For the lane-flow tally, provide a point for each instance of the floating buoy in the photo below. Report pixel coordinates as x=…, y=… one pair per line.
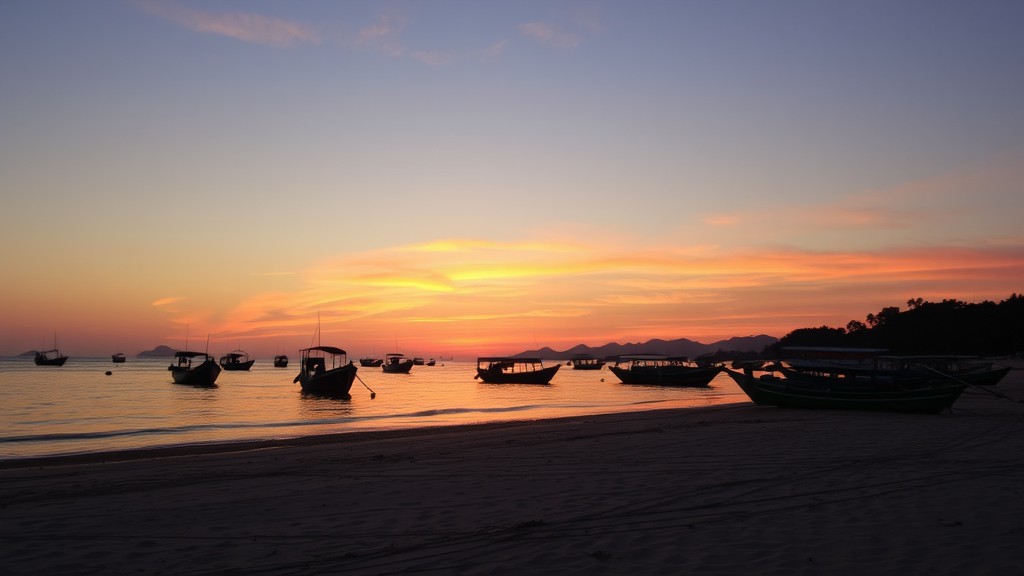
x=109, y=372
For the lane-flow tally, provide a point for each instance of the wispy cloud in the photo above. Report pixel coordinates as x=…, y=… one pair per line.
x=384, y=35
x=244, y=26
x=550, y=34
x=166, y=301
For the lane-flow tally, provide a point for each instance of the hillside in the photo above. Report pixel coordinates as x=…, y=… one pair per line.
x=679, y=347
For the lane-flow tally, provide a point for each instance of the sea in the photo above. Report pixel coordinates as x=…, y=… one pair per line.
x=93, y=405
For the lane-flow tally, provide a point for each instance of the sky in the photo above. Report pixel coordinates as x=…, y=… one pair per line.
x=484, y=177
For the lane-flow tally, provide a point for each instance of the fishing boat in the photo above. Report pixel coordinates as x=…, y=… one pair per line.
x=370, y=362
x=925, y=397
x=280, y=361
x=417, y=361
x=395, y=363
x=585, y=362
x=194, y=368
x=509, y=370
x=872, y=364
x=325, y=370
x=117, y=358
x=236, y=360
x=431, y=362
x=51, y=357
x=656, y=370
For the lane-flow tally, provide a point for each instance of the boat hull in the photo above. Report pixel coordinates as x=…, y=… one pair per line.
x=334, y=382
x=788, y=393
x=204, y=374
x=370, y=362
x=541, y=376
x=235, y=366
x=58, y=361
x=403, y=367
x=666, y=375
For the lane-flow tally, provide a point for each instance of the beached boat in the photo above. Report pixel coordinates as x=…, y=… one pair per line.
x=325, y=370
x=396, y=364
x=871, y=364
x=117, y=358
x=585, y=362
x=280, y=361
x=370, y=362
x=194, y=368
x=927, y=397
x=658, y=370
x=509, y=370
x=236, y=360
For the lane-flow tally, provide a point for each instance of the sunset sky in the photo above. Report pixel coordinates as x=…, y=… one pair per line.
x=463, y=178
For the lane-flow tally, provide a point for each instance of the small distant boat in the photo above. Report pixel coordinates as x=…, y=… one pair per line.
x=280, y=361
x=431, y=362
x=396, y=364
x=194, y=368
x=585, y=362
x=117, y=358
x=914, y=396
x=325, y=370
x=370, y=362
x=417, y=361
x=508, y=370
x=51, y=357
x=662, y=371
x=236, y=360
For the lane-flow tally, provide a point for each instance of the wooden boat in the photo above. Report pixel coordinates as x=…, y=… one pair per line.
x=51, y=357
x=658, y=370
x=370, y=362
x=431, y=362
x=926, y=397
x=585, y=362
x=280, y=361
x=965, y=369
x=509, y=370
x=417, y=361
x=325, y=370
x=117, y=358
x=236, y=360
x=194, y=368
x=396, y=364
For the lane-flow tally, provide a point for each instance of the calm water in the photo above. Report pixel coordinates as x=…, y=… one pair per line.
x=77, y=408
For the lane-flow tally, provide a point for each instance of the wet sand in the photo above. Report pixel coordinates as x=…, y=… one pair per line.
x=721, y=490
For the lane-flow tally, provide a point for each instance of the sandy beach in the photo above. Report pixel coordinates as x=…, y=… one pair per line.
x=737, y=489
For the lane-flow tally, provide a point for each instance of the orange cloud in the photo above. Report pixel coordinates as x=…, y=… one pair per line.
x=238, y=25
x=504, y=295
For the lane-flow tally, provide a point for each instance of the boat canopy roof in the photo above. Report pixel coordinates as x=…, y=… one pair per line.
x=187, y=354
x=235, y=354
x=395, y=355
x=581, y=357
x=506, y=359
x=327, y=349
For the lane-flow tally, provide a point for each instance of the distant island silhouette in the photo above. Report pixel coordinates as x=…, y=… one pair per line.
x=158, y=352
x=679, y=347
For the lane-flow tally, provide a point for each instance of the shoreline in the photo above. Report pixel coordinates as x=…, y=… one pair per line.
x=232, y=446
x=715, y=490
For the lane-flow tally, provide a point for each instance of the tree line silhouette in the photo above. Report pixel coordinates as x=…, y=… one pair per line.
x=947, y=327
